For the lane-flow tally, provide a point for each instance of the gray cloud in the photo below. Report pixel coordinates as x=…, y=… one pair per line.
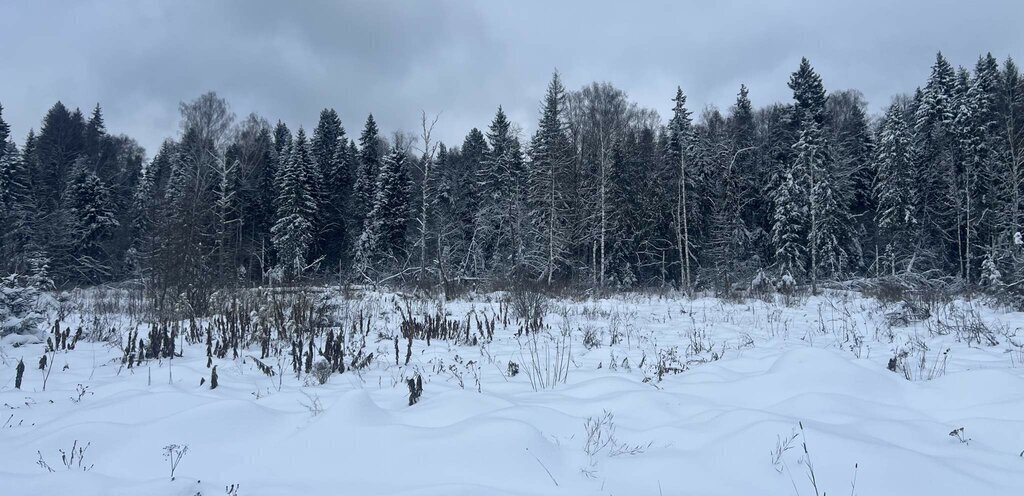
x=288, y=60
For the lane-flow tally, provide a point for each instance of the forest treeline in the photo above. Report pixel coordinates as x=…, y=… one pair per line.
x=602, y=194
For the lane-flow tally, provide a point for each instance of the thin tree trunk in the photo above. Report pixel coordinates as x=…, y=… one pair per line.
x=682, y=227
x=604, y=209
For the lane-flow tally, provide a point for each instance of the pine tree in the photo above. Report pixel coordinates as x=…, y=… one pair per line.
x=296, y=207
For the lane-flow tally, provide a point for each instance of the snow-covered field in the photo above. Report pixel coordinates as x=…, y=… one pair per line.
x=661, y=396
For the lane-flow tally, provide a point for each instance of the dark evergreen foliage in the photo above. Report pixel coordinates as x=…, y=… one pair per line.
x=600, y=194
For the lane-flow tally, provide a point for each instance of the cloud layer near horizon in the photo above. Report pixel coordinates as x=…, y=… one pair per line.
x=289, y=60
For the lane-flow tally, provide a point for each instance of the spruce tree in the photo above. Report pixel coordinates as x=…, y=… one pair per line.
x=1011, y=182
x=442, y=186
x=16, y=217
x=852, y=145
x=680, y=158
x=469, y=201
x=94, y=143
x=292, y=233
x=1012, y=116
x=500, y=219
x=788, y=224
x=58, y=149
x=329, y=147
x=729, y=152
x=749, y=178
x=181, y=259
x=382, y=245
x=828, y=222
x=282, y=143
x=59, y=144
x=256, y=192
x=774, y=140
x=93, y=209
x=894, y=191
x=550, y=161
x=5, y=132
x=364, y=192
x=935, y=164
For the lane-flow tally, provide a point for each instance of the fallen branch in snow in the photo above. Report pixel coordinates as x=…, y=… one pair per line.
x=543, y=466
x=778, y=461
x=781, y=447
x=314, y=406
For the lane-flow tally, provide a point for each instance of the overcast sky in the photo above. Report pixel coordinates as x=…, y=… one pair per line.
x=288, y=60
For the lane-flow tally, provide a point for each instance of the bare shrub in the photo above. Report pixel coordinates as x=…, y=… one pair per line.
x=312, y=404
x=778, y=461
x=72, y=459
x=591, y=338
x=966, y=325
x=527, y=305
x=914, y=364
x=668, y=362
x=415, y=389
x=22, y=305
x=322, y=371
x=887, y=290
x=907, y=312
x=782, y=445
x=545, y=359
x=173, y=453
x=601, y=438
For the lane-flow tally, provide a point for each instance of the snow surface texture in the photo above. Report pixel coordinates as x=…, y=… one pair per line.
x=725, y=426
